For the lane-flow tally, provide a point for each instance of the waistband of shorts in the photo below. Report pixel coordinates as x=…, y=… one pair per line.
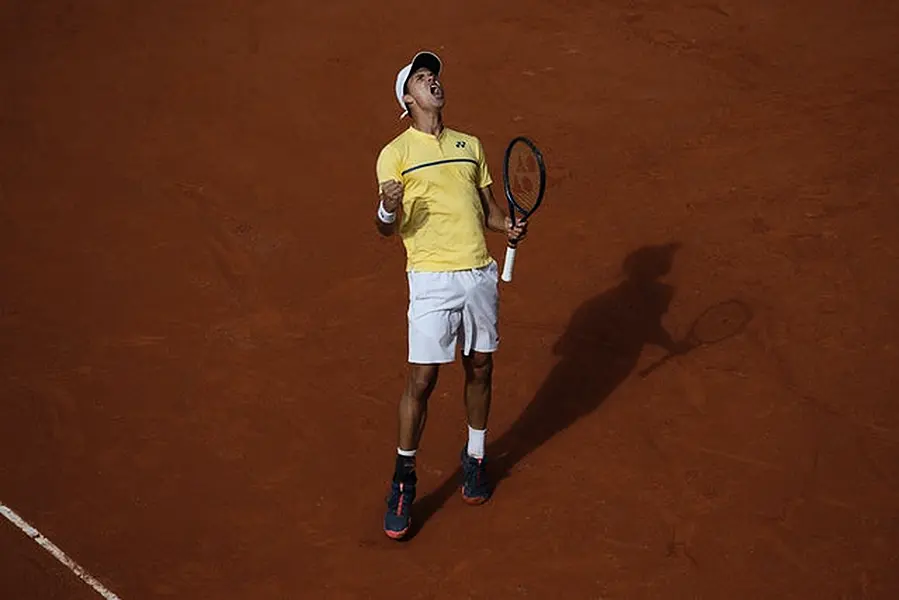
x=489, y=264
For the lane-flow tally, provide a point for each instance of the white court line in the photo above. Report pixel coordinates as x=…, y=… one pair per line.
x=50, y=547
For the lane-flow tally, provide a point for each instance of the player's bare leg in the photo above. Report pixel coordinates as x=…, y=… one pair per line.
x=478, y=388
x=478, y=394
x=413, y=409
x=412, y=416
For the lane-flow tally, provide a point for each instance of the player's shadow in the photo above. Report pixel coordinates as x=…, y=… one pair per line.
x=598, y=350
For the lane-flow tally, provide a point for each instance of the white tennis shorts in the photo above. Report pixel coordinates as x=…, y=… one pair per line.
x=452, y=307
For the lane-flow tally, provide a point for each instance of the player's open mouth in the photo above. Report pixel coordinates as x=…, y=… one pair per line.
x=436, y=90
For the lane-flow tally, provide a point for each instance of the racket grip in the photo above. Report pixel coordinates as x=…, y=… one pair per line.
x=509, y=263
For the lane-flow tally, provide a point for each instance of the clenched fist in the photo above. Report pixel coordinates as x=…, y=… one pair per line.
x=391, y=195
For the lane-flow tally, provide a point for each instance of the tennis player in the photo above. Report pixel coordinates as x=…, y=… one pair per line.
x=436, y=193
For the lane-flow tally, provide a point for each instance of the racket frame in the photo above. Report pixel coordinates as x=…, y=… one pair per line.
x=514, y=208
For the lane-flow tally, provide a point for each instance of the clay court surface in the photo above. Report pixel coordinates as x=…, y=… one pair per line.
x=203, y=337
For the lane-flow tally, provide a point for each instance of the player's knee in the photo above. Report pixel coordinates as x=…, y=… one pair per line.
x=422, y=379
x=479, y=367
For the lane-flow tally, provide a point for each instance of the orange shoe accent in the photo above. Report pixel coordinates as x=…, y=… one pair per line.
x=471, y=501
x=397, y=535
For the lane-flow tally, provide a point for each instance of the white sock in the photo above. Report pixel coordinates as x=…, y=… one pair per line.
x=476, y=442
x=402, y=452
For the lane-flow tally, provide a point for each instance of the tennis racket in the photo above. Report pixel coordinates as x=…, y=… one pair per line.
x=524, y=181
x=715, y=324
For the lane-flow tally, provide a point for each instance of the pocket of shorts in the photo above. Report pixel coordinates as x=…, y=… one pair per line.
x=492, y=270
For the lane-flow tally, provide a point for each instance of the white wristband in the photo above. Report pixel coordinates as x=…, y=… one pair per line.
x=384, y=216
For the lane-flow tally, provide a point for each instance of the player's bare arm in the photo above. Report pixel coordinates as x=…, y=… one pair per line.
x=497, y=220
x=391, y=196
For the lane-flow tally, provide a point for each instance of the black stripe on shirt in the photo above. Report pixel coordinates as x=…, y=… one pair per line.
x=440, y=162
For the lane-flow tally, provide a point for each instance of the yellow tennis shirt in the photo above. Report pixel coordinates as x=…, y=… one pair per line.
x=442, y=225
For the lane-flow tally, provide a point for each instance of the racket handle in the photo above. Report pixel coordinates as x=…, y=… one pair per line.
x=509, y=263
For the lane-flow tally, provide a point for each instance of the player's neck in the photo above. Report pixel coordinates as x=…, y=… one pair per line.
x=430, y=123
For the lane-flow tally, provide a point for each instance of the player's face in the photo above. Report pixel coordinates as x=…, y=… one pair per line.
x=425, y=90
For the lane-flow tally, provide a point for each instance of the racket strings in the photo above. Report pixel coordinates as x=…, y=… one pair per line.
x=524, y=177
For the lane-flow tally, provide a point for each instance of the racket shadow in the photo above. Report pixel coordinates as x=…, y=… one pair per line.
x=597, y=352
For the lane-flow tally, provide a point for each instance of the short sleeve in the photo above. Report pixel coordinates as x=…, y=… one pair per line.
x=388, y=165
x=484, y=178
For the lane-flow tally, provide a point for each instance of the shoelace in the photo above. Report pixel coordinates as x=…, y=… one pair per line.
x=473, y=469
x=398, y=496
